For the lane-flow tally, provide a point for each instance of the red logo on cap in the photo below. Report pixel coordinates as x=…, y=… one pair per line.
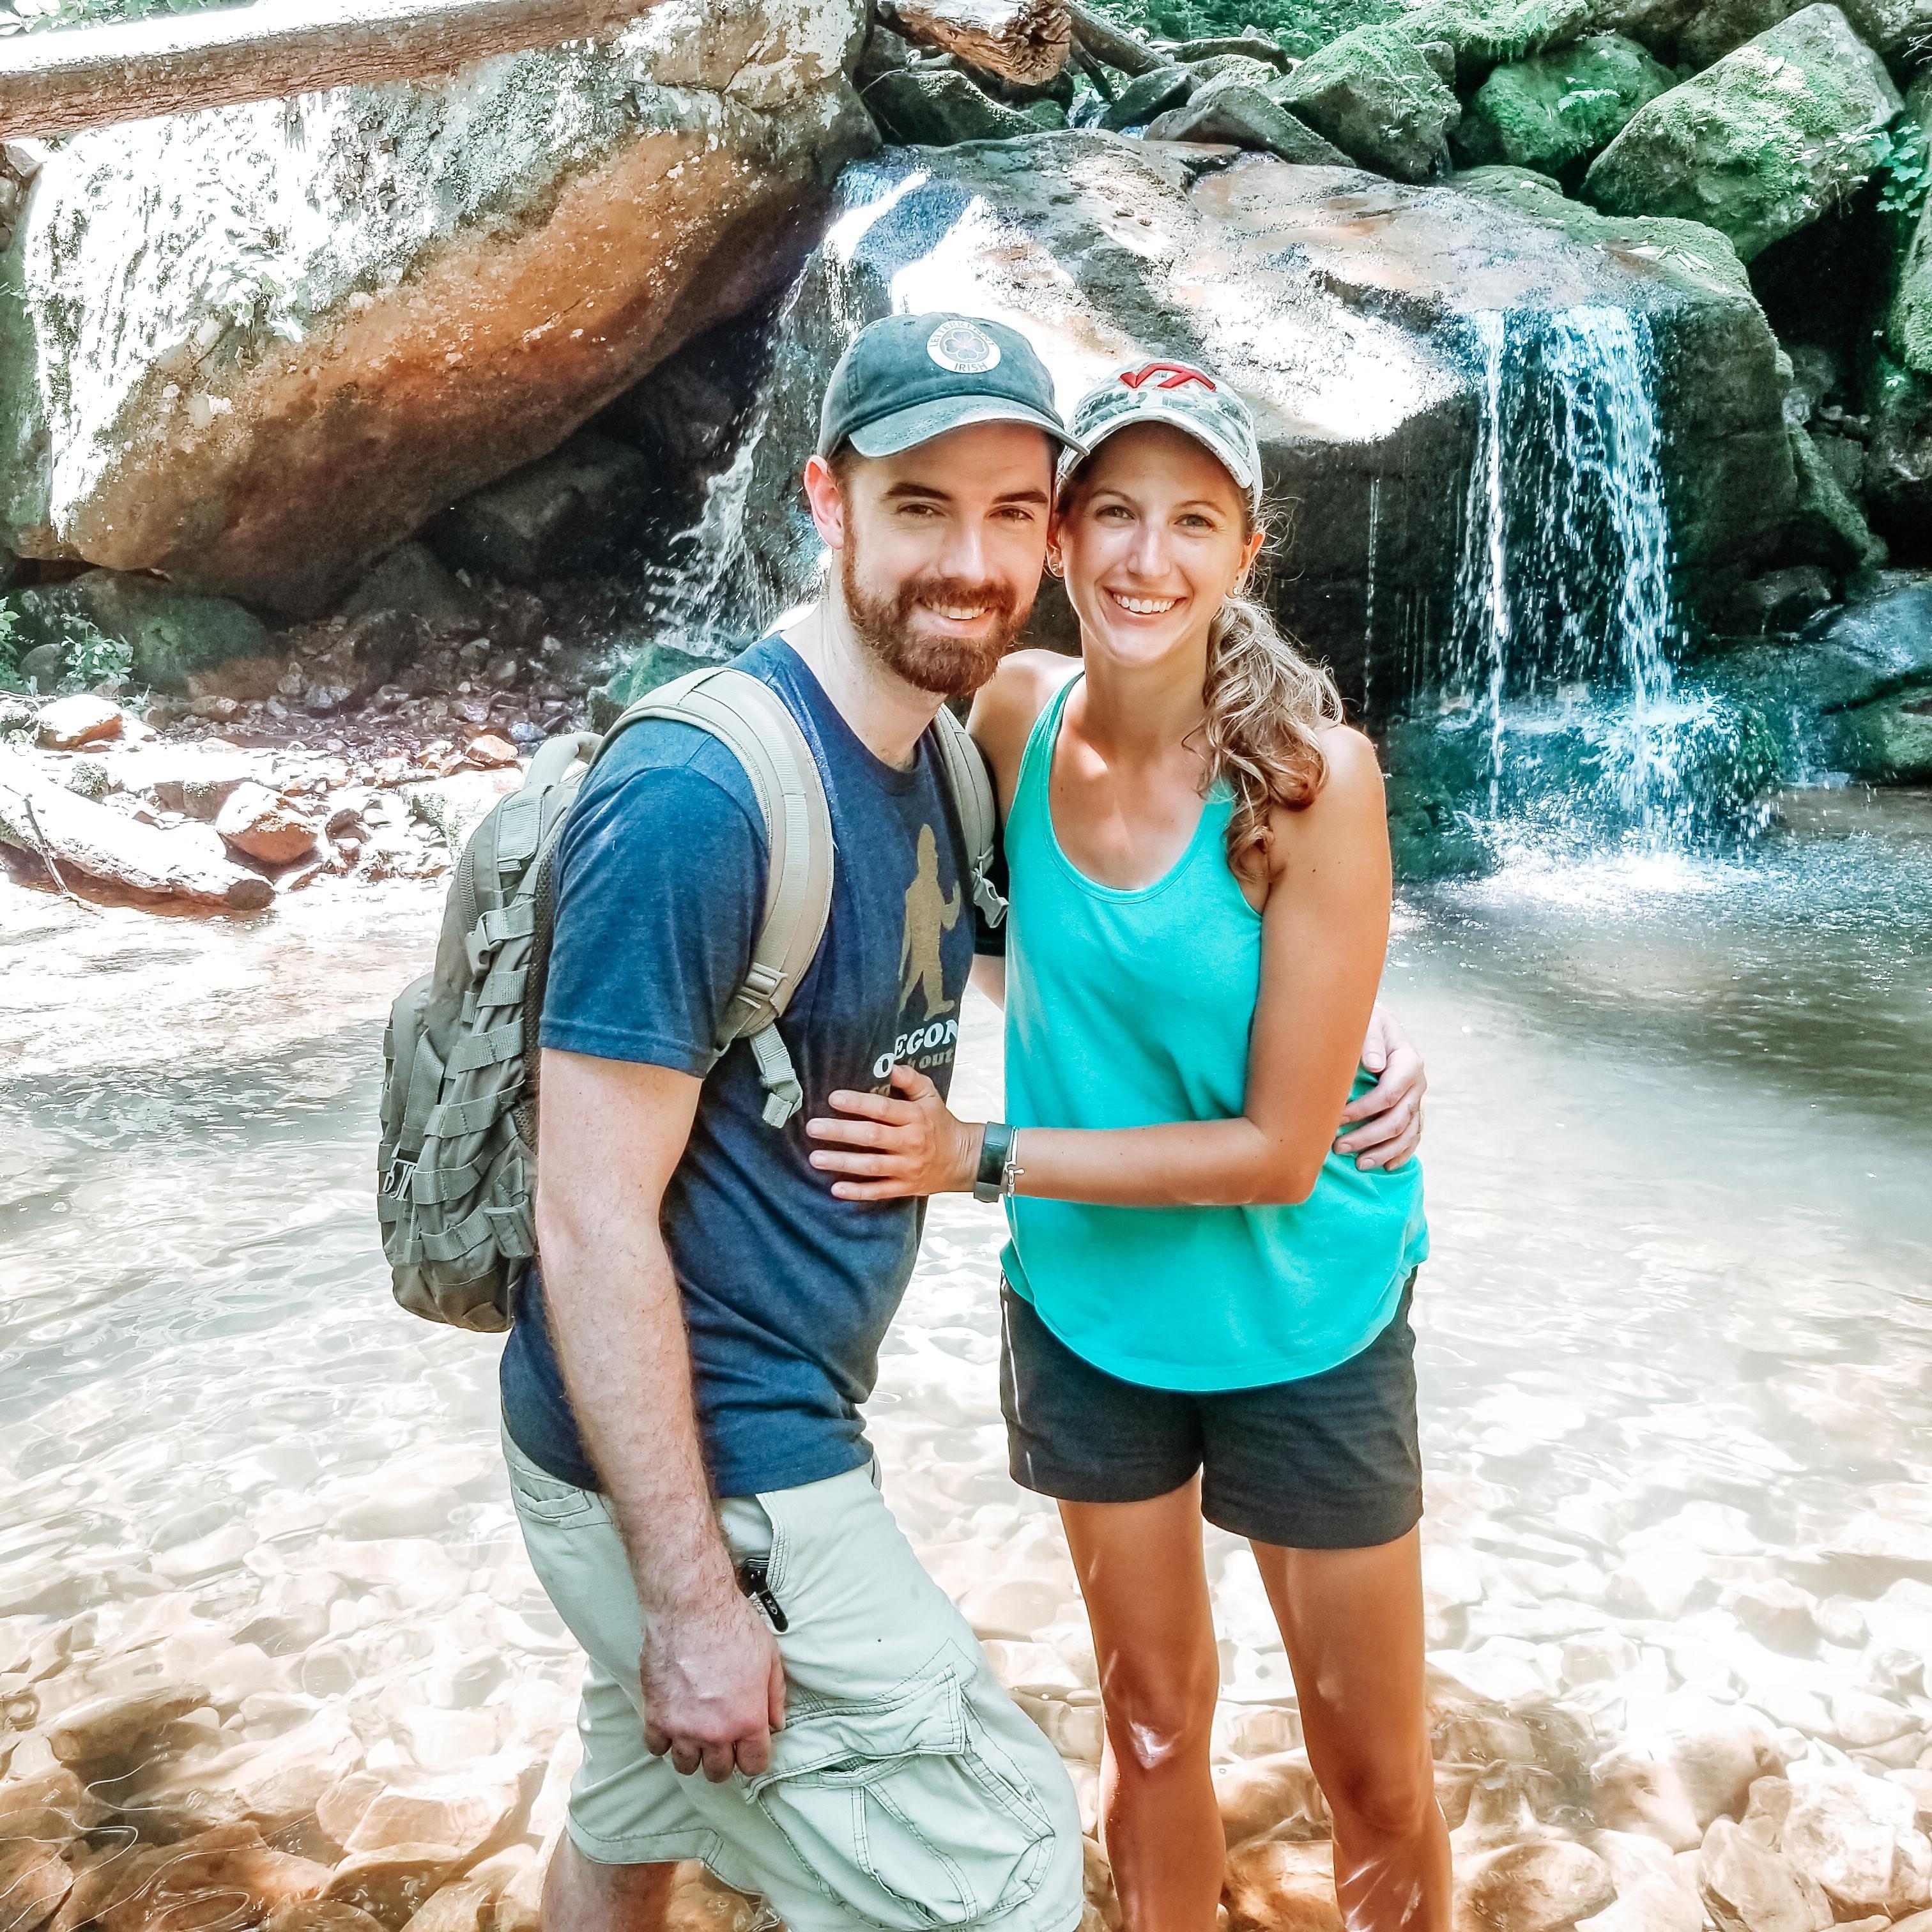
x=1178, y=374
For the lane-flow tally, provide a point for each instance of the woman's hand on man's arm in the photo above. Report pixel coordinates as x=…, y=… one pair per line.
x=1384, y=1128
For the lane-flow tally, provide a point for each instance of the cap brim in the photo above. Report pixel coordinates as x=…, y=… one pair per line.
x=1230, y=458
x=906, y=429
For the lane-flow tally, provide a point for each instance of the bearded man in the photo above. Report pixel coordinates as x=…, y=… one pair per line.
x=682, y=1389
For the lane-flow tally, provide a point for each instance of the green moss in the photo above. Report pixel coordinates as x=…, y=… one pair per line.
x=1376, y=95
x=1556, y=108
x=1304, y=27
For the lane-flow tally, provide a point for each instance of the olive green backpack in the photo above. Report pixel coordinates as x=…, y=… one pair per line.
x=457, y=1165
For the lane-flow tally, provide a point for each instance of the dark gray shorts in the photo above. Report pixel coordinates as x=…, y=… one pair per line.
x=1328, y=1462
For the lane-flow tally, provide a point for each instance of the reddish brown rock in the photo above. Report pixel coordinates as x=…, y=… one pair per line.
x=488, y=750
x=232, y=1861
x=33, y=1881
x=68, y=723
x=1259, y=1794
x=393, y=1884
x=106, y=1736
x=263, y=826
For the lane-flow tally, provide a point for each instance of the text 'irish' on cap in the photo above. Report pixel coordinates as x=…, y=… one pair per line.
x=906, y=379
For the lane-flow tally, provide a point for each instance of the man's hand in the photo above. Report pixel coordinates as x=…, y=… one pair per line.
x=714, y=1688
x=1389, y=1114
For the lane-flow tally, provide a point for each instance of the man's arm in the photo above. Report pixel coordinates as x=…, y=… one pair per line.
x=610, y=1135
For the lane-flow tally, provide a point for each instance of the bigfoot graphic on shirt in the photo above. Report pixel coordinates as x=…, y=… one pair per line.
x=928, y=913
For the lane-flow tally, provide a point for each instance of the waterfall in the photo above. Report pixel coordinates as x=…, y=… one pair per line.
x=1562, y=628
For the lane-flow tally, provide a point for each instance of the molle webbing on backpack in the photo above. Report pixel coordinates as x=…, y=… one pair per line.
x=457, y=1168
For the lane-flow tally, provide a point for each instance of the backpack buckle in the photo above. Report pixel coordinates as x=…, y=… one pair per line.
x=396, y=1182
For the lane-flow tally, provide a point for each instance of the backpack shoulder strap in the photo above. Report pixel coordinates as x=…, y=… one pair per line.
x=755, y=724
x=972, y=787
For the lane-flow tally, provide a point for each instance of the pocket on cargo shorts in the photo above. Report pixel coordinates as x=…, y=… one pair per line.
x=547, y=1499
x=903, y=1809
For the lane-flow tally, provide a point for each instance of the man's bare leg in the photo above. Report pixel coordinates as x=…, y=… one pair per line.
x=580, y=1895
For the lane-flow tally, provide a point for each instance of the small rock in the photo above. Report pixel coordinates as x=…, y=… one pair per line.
x=158, y=1885
x=1856, y=1837
x=1654, y=1904
x=221, y=709
x=33, y=1881
x=42, y=666
x=319, y=1915
x=1748, y=1889
x=463, y=1906
x=1149, y=95
x=255, y=821
x=105, y=1735
x=394, y=1884
x=487, y=750
x=1274, y=1885
x=465, y=1811
x=1267, y=1791
x=1632, y=1792
x=1862, y=1720
x=68, y=723
x=322, y=699
x=1241, y=115
x=16, y=713
x=1535, y=1887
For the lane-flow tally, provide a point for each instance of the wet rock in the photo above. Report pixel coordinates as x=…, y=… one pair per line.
x=1898, y=458
x=520, y=1903
x=1827, y=527
x=509, y=249
x=463, y=1906
x=68, y=723
x=1632, y=1792
x=318, y=1914
x=1376, y=95
x=104, y=1736
x=1761, y=144
x=1717, y=1751
x=464, y=1812
x=392, y=1884
x=1856, y=1837
x=1276, y=1885
x=16, y=714
x=1267, y=1794
x=232, y=1861
x=1480, y=33
x=487, y=749
x=1108, y=252
x=172, y=633
x=1748, y=1888
x=41, y=667
x=1148, y=95
x=578, y=506
x=412, y=579
x=1652, y=1904
x=261, y=826
x=33, y=1883
x=1779, y=601
x=1533, y=1887
x=936, y=107
x=1862, y=1720
x=1559, y=107
x=654, y=664
x=1238, y=114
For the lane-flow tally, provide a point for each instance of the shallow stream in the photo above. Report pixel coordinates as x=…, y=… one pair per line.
x=1676, y=1340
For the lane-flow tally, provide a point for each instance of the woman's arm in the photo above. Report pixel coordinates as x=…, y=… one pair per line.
x=1325, y=934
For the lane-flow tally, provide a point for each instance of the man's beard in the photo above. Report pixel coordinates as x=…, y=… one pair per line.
x=948, y=666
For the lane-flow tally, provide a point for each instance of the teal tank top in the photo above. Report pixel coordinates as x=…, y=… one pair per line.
x=1127, y=1008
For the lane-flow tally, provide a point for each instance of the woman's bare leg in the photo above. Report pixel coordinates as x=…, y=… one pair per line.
x=1352, y=1621
x=1143, y=1575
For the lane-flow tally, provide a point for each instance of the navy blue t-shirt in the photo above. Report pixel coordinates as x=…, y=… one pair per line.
x=660, y=883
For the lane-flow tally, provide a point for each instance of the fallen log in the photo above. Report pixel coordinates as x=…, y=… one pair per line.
x=70, y=833
x=60, y=82
x=1024, y=41
x=1114, y=45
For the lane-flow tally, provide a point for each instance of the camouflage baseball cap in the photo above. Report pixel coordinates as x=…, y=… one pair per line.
x=1183, y=397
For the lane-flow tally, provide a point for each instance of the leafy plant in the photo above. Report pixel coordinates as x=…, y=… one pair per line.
x=30, y=16
x=94, y=659
x=10, y=679
x=1904, y=170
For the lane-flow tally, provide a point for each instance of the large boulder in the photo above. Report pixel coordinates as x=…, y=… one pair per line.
x=173, y=635
x=1700, y=31
x=1379, y=96
x=1761, y=144
x=1557, y=108
x=1898, y=459
x=349, y=309
x=1364, y=363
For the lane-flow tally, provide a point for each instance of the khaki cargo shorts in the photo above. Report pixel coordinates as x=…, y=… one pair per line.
x=906, y=1791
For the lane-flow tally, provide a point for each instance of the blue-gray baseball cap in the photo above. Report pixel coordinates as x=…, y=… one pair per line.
x=906, y=379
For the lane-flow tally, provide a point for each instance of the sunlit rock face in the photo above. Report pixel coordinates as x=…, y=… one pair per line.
x=1345, y=308
x=253, y=348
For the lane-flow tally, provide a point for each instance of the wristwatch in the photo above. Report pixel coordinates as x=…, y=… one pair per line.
x=990, y=1183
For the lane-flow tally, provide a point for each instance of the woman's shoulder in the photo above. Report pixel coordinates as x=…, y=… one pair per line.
x=1009, y=703
x=1347, y=807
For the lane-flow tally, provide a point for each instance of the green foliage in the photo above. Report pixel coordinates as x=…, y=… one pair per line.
x=1301, y=26
x=1905, y=170
x=9, y=650
x=94, y=659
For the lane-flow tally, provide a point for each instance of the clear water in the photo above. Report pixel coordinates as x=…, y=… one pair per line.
x=1680, y=1171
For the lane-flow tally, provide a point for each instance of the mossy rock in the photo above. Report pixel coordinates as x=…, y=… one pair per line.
x=1377, y=94
x=1908, y=322
x=1556, y=109
x=934, y=107
x=1302, y=27
x=1483, y=32
x=1827, y=527
x=1761, y=144
x=653, y=665
x=172, y=634
x=1898, y=460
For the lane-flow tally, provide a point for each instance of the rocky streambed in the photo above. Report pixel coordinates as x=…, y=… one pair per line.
x=270, y=1652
